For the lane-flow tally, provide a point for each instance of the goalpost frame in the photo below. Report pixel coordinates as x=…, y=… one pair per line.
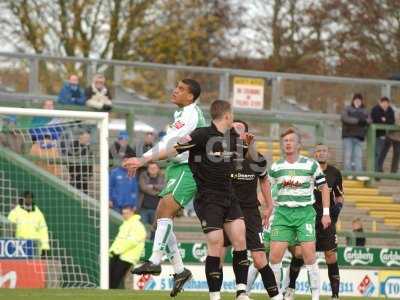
x=102, y=117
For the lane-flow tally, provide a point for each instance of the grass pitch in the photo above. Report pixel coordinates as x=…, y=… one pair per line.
x=92, y=294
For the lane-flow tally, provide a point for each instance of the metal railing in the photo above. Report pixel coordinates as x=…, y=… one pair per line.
x=371, y=146
x=299, y=92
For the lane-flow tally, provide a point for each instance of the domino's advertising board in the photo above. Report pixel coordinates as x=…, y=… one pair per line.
x=362, y=283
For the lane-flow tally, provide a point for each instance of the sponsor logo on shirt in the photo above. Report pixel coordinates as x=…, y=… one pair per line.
x=179, y=124
x=241, y=176
x=291, y=184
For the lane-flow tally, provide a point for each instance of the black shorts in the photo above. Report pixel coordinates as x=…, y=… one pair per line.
x=254, y=230
x=213, y=212
x=326, y=239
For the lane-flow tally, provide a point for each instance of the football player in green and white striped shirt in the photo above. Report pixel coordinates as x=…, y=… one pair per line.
x=295, y=177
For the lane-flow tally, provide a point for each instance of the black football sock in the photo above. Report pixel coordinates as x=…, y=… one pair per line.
x=221, y=278
x=334, y=278
x=269, y=281
x=295, y=266
x=240, y=265
x=213, y=273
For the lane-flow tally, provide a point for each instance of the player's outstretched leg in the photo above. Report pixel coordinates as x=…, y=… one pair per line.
x=181, y=274
x=166, y=211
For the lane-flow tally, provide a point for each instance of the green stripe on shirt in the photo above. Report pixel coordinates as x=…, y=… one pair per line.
x=286, y=198
x=291, y=172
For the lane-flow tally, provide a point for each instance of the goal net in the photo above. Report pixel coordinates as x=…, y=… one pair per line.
x=53, y=198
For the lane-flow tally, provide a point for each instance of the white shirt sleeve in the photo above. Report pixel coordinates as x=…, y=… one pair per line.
x=183, y=125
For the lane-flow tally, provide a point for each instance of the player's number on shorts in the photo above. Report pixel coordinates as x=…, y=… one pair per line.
x=261, y=236
x=310, y=229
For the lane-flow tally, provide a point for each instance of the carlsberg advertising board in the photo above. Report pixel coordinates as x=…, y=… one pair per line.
x=347, y=256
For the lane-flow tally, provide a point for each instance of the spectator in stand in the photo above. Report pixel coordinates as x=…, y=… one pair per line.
x=392, y=139
x=40, y=121
x=10, y=137
x=30, y=222
x=381, y=113
x=357, y=226
x=151, y=182
x=127, y=247
x=71, y=93
x=81, y=159
x=354, y=128
x=46, y=154
x=123, y=189
x=146, y=144
x=120, y=149
x=143, y=146
x=98, y=96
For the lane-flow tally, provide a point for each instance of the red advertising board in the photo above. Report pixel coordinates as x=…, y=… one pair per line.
x=22, y=273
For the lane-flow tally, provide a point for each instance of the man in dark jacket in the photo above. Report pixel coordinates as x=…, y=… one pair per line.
x=72, y=93
x=381, y=113
x=151, y=184
x=354, y=128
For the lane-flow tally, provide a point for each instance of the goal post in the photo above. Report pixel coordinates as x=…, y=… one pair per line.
x=69, y=171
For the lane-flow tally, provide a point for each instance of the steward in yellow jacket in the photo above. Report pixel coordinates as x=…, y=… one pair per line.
x=30, y=222
x=127, y=246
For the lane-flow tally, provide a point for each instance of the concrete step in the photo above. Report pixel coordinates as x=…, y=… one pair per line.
x=385, y=214
x=361, y=191
x=379, y=206
x=395, y=221
x=352, y=184
x=369, y=199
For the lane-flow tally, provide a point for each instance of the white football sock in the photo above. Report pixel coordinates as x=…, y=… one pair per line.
x=174, y=254
x=251, y=278
x=162, y=235
x=215, y=296
x=313, y=275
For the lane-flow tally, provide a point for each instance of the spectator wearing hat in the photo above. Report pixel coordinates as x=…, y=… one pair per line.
x=123, y=189
x=120, y=148
x=382, y=113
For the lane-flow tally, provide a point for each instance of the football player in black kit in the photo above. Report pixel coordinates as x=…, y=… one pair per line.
x=212, y=156
x=326, y=239
x=248, y=173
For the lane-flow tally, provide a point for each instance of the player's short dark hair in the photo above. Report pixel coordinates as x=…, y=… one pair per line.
x=194, y=87
x=291, y=130
x=218, y=108
x=246, y=126
x=384, y=99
